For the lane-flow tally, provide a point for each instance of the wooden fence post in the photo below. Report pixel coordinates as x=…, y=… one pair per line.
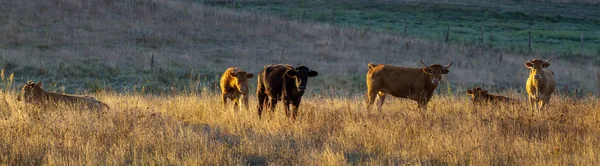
x=333, y=17
x=404, y=35
x=529, y=41
x=303, y=14
x=581, y=45
x=447, y=33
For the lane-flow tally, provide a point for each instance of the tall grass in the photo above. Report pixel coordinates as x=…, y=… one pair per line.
x=192, y=129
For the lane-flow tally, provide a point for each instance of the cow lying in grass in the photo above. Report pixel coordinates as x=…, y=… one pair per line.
x=33, y=93
x=479, y=95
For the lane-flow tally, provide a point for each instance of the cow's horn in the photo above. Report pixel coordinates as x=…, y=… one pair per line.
x=423, y=63
x=447, y=66
x=550, y=59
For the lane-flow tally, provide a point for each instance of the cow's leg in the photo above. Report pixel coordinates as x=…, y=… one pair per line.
x=245, y=101
x=236, y=103
x=224, y=99
x=286, y=105
x=261, y=101
x=295, y=105
x=380, y=100
x=531, y=103
x=273, y=103
x=371, y=95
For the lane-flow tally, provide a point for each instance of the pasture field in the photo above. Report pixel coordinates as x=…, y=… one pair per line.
x=156, y=63
x=193, y=129
x=555, y=27
x=93, y=46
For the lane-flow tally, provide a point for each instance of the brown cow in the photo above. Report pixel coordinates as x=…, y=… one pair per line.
x=479, y=95
x=234, y=86
x=416, y=84
x=540, y=83
x=34, y=93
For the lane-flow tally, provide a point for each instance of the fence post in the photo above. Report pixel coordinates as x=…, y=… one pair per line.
x=368, y=23
x=581, y=45
x=333, y=17
x=303, y=14
x=529, y=41
x=404, y=35
x=447, y=33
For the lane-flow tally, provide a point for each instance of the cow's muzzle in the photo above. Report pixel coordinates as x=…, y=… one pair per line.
x=435, y=81
x=537, y=77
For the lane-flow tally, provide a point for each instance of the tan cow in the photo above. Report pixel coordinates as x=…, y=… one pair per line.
x=479, y=95
x=234, y=86
x=34, y=93
x=540, y=83
x=416, y=84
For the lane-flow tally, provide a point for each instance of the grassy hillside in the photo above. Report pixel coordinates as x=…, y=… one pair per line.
x=156, y=64
x=76, y=46
x=555, y=27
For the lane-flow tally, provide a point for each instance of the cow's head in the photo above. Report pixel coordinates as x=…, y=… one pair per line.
x=477, y=93
x=535, y=66
x=301, y=74
x=30, y=90
x=435, y=71
x=241, y=79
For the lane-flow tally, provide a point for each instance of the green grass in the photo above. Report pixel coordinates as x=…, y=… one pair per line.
x=555, y=28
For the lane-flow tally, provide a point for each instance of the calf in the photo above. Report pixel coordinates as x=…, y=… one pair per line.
x=479, y=95
x=33, y=93
x=284, y=83
x=540, y=83
x=234, y=86
x=416, y=84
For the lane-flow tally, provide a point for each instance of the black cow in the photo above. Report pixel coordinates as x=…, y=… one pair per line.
x=282, y=82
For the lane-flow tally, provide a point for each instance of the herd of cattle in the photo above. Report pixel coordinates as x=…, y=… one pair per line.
x=285, y=83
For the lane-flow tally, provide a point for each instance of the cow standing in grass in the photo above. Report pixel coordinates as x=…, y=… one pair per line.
x=234, y=86
x=540, y=83
x=479, y=95
x=284, y=83
x=416, y=84
x=34, y=93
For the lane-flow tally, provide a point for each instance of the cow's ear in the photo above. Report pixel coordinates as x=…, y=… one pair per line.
x=291, y=73
x=445, y=71
x=546, y=64
x=529, y=65
x=470, y=91
x=250, y=75
x=427, y=70
x=313, y=73
x=39, y=84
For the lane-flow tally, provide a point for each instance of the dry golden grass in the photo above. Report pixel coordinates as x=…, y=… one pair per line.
x=193, y=129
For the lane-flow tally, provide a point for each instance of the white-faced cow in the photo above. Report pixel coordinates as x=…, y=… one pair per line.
x=234, y=86
x=540, y=83
x=416, y=84
x=282, y=82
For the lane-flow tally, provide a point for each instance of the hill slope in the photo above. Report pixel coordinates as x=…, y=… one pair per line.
x=95, y=45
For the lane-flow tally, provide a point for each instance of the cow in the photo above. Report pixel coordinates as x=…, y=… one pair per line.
x=33, y=93
x=416, y=84
x=282, y=82
x=234, y=86
x=479, y=95
x=540, y=83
